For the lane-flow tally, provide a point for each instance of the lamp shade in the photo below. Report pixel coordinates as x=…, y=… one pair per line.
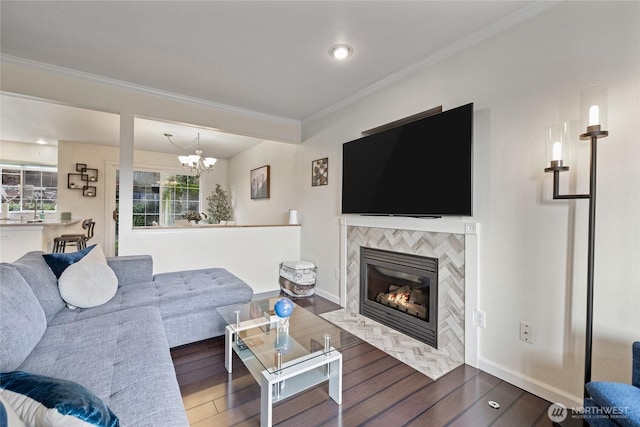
x=209, y=161
x=593, y=107
x=557, y=145
x=194, y=159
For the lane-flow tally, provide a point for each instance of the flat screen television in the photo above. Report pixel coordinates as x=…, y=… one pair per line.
x=420, y=169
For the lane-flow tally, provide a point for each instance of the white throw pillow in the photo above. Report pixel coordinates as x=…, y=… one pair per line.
x=96, y=254
x=12, y=418
x=89, y=282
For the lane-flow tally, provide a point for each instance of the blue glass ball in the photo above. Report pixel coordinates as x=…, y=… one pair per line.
x=283, y=307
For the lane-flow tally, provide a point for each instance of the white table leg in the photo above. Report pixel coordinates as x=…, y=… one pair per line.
x=266, y=401
x=335, y=380
x=228, y=348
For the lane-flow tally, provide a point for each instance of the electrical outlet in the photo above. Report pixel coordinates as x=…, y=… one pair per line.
x=336, y=273
x=527, y=332
x=479, y=318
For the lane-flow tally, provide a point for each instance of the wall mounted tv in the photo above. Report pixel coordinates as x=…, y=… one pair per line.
x=420, y=169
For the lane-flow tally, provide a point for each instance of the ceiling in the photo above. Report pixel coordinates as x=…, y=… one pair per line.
x=269, y=57
x=29, y=120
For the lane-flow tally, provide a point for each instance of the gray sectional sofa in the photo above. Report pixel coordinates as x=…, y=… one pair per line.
x=119, y=350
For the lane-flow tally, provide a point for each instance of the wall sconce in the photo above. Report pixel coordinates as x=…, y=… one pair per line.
x=593, y=114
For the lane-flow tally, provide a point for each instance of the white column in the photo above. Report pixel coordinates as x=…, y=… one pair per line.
x=126, y=181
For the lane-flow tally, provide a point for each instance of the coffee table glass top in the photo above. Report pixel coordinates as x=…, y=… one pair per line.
x=264, y=334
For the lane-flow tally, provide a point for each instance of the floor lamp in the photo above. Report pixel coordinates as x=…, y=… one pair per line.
x=593, y=111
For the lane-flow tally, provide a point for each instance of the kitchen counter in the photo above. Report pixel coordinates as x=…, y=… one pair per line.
x=31, y=222
x=19, y=237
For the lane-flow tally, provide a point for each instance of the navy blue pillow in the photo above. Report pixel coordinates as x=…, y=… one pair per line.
x=54, y=400
x=4, y=418
x=58, y=262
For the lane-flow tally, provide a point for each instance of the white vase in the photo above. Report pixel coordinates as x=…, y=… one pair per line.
x=5, y=210
x=293, y=216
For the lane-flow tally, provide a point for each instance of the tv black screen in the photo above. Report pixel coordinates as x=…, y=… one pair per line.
x=423, y=168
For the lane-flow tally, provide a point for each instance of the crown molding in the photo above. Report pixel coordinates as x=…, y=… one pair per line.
x=497, y=27
x=94, y=78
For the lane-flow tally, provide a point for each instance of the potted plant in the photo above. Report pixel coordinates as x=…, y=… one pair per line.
x=218, y=206
x=193, y=217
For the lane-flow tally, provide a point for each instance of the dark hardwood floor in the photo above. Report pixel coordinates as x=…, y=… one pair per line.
x=378, y=390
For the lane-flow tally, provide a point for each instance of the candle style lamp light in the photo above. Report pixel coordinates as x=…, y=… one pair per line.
x=593, y=113
x=556, y=142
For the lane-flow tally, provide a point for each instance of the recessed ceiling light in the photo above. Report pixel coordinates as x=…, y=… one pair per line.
x=340, y=51
x=41, y=142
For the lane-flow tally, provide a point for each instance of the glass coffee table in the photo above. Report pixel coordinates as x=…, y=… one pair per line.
x=284, y=356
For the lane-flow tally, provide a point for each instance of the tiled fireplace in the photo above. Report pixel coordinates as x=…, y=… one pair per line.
x=447, y=248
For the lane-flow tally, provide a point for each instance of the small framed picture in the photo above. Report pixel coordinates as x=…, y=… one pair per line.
x=320, y=172
x=259, y=181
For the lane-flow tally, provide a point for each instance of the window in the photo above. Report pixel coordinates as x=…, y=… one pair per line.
x=146, y=198
x=30, y=187
x=180, y=194
x=160, y=198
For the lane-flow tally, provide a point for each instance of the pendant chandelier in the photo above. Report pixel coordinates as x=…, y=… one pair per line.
x=196, y=162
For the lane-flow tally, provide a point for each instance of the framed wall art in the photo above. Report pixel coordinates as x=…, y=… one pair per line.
x=320, y=172
x=259, y=181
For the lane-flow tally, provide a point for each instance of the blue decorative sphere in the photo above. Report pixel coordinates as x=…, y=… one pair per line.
x=283, y=307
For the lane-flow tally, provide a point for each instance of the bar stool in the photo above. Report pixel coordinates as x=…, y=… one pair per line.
x=78, y=240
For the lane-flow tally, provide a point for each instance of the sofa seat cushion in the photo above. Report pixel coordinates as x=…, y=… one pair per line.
x=22, y=319
x=199, y=290
x=122, y=357
x=620, y=402
x=126, y=297
x=175, y=294
x=43, y=282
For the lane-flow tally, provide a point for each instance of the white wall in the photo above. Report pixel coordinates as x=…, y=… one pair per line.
x=23, y=153
x=73, y=88
x=105, y=159
x=251, y=253
x=532, y=248
x=274, y=210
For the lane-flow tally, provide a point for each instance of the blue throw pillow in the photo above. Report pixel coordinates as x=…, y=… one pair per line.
x=58, y=262
x=45, y=401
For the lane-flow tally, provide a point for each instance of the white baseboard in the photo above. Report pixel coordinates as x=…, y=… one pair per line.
x=531, y=385
x=330, y=297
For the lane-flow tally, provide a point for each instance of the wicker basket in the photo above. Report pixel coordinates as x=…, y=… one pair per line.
x=298, y=279
x=296, y=290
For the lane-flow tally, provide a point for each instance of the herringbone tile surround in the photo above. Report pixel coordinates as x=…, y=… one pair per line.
x=448, y=248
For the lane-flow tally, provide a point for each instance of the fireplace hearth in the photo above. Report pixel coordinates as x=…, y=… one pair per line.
x=400, y=291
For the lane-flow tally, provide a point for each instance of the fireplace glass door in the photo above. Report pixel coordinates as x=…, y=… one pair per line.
x=400, y=290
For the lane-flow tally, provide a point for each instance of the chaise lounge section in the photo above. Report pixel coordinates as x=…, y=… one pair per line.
x=119, y=350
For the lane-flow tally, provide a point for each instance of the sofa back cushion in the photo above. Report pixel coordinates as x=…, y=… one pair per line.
x=22, y=319
x=43, y=282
